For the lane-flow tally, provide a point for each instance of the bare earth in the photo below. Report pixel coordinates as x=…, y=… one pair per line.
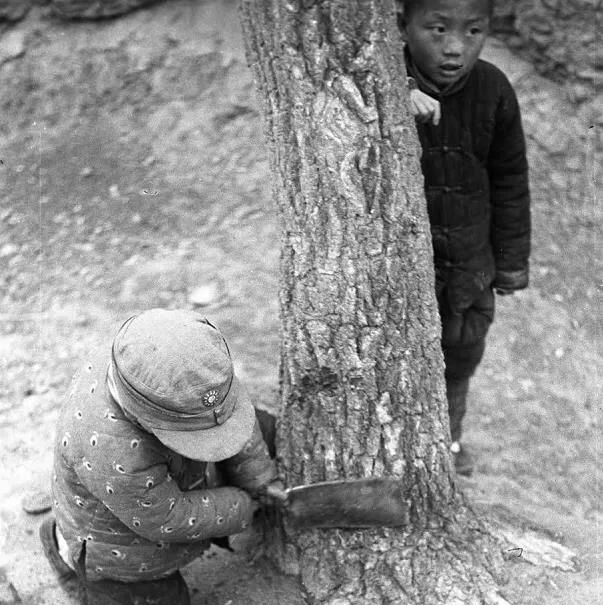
x=134, y=172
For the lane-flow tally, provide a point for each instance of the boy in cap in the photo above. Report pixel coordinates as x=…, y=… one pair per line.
x=142, y=437
x=476, y=181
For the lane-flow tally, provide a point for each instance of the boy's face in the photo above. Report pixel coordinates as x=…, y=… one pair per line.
x=445, y=37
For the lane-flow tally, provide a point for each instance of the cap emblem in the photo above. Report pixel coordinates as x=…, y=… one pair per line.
x=210, y=398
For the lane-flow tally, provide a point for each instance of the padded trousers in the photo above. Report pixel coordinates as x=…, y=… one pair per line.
x=463, y=345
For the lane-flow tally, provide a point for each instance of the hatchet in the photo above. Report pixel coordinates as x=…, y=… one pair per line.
x=368, y=502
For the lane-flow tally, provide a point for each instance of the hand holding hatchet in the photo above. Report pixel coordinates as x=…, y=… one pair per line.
x=276, y=490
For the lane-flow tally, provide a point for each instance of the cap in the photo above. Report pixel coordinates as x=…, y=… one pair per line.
x=172, y=371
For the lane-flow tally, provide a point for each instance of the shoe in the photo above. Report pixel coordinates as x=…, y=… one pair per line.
x=463, y=461
x=51, y=550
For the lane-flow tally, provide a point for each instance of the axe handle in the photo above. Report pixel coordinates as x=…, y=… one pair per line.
x=275, y=491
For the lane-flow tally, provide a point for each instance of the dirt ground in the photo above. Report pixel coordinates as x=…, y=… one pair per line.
x=133, y=172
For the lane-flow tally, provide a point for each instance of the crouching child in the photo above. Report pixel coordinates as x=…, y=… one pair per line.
x=158, y=452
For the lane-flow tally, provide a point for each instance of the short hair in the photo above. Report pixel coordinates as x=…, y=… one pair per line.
x=405, y=8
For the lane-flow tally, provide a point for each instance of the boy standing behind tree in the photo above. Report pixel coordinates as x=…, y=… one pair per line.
x=476, y=181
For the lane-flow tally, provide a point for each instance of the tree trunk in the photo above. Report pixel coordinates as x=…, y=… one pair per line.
x=361, y=363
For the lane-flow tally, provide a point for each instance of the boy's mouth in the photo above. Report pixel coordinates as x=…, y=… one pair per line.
x=450, y=69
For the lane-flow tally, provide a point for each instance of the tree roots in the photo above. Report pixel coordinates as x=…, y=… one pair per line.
x=454, y=561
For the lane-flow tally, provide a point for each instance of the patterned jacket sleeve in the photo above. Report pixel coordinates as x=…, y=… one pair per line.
x=510, y=194
x=138, y=489
x=252, y=468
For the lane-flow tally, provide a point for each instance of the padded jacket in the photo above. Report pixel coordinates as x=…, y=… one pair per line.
x=476, y=184
x=123, y=496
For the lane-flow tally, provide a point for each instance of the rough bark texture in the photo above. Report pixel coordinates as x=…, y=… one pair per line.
x=361, y=366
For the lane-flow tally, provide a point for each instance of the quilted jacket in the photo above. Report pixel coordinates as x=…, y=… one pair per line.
x=476, y=185
x=122, y=494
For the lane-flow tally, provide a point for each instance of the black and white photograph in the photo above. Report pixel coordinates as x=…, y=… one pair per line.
x=300, y=302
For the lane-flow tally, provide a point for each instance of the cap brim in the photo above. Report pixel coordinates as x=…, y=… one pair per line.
x=219, y=442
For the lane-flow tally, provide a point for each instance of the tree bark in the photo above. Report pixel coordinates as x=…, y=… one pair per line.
x=361, y=363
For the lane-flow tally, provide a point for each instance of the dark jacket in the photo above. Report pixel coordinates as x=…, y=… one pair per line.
x=476, y=185
x=118, y=490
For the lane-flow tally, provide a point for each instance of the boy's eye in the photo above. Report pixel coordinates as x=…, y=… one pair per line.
x=474, y=31
x=438, y=29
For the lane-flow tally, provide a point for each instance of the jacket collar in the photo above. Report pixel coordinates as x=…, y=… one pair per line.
x=427, y=86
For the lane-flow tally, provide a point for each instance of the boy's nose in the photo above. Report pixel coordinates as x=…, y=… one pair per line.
x=453, y=46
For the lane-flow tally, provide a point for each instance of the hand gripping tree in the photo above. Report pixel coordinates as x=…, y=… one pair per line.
x=361, y=364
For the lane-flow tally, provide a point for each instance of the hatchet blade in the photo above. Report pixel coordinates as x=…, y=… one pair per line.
x=348, y=503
